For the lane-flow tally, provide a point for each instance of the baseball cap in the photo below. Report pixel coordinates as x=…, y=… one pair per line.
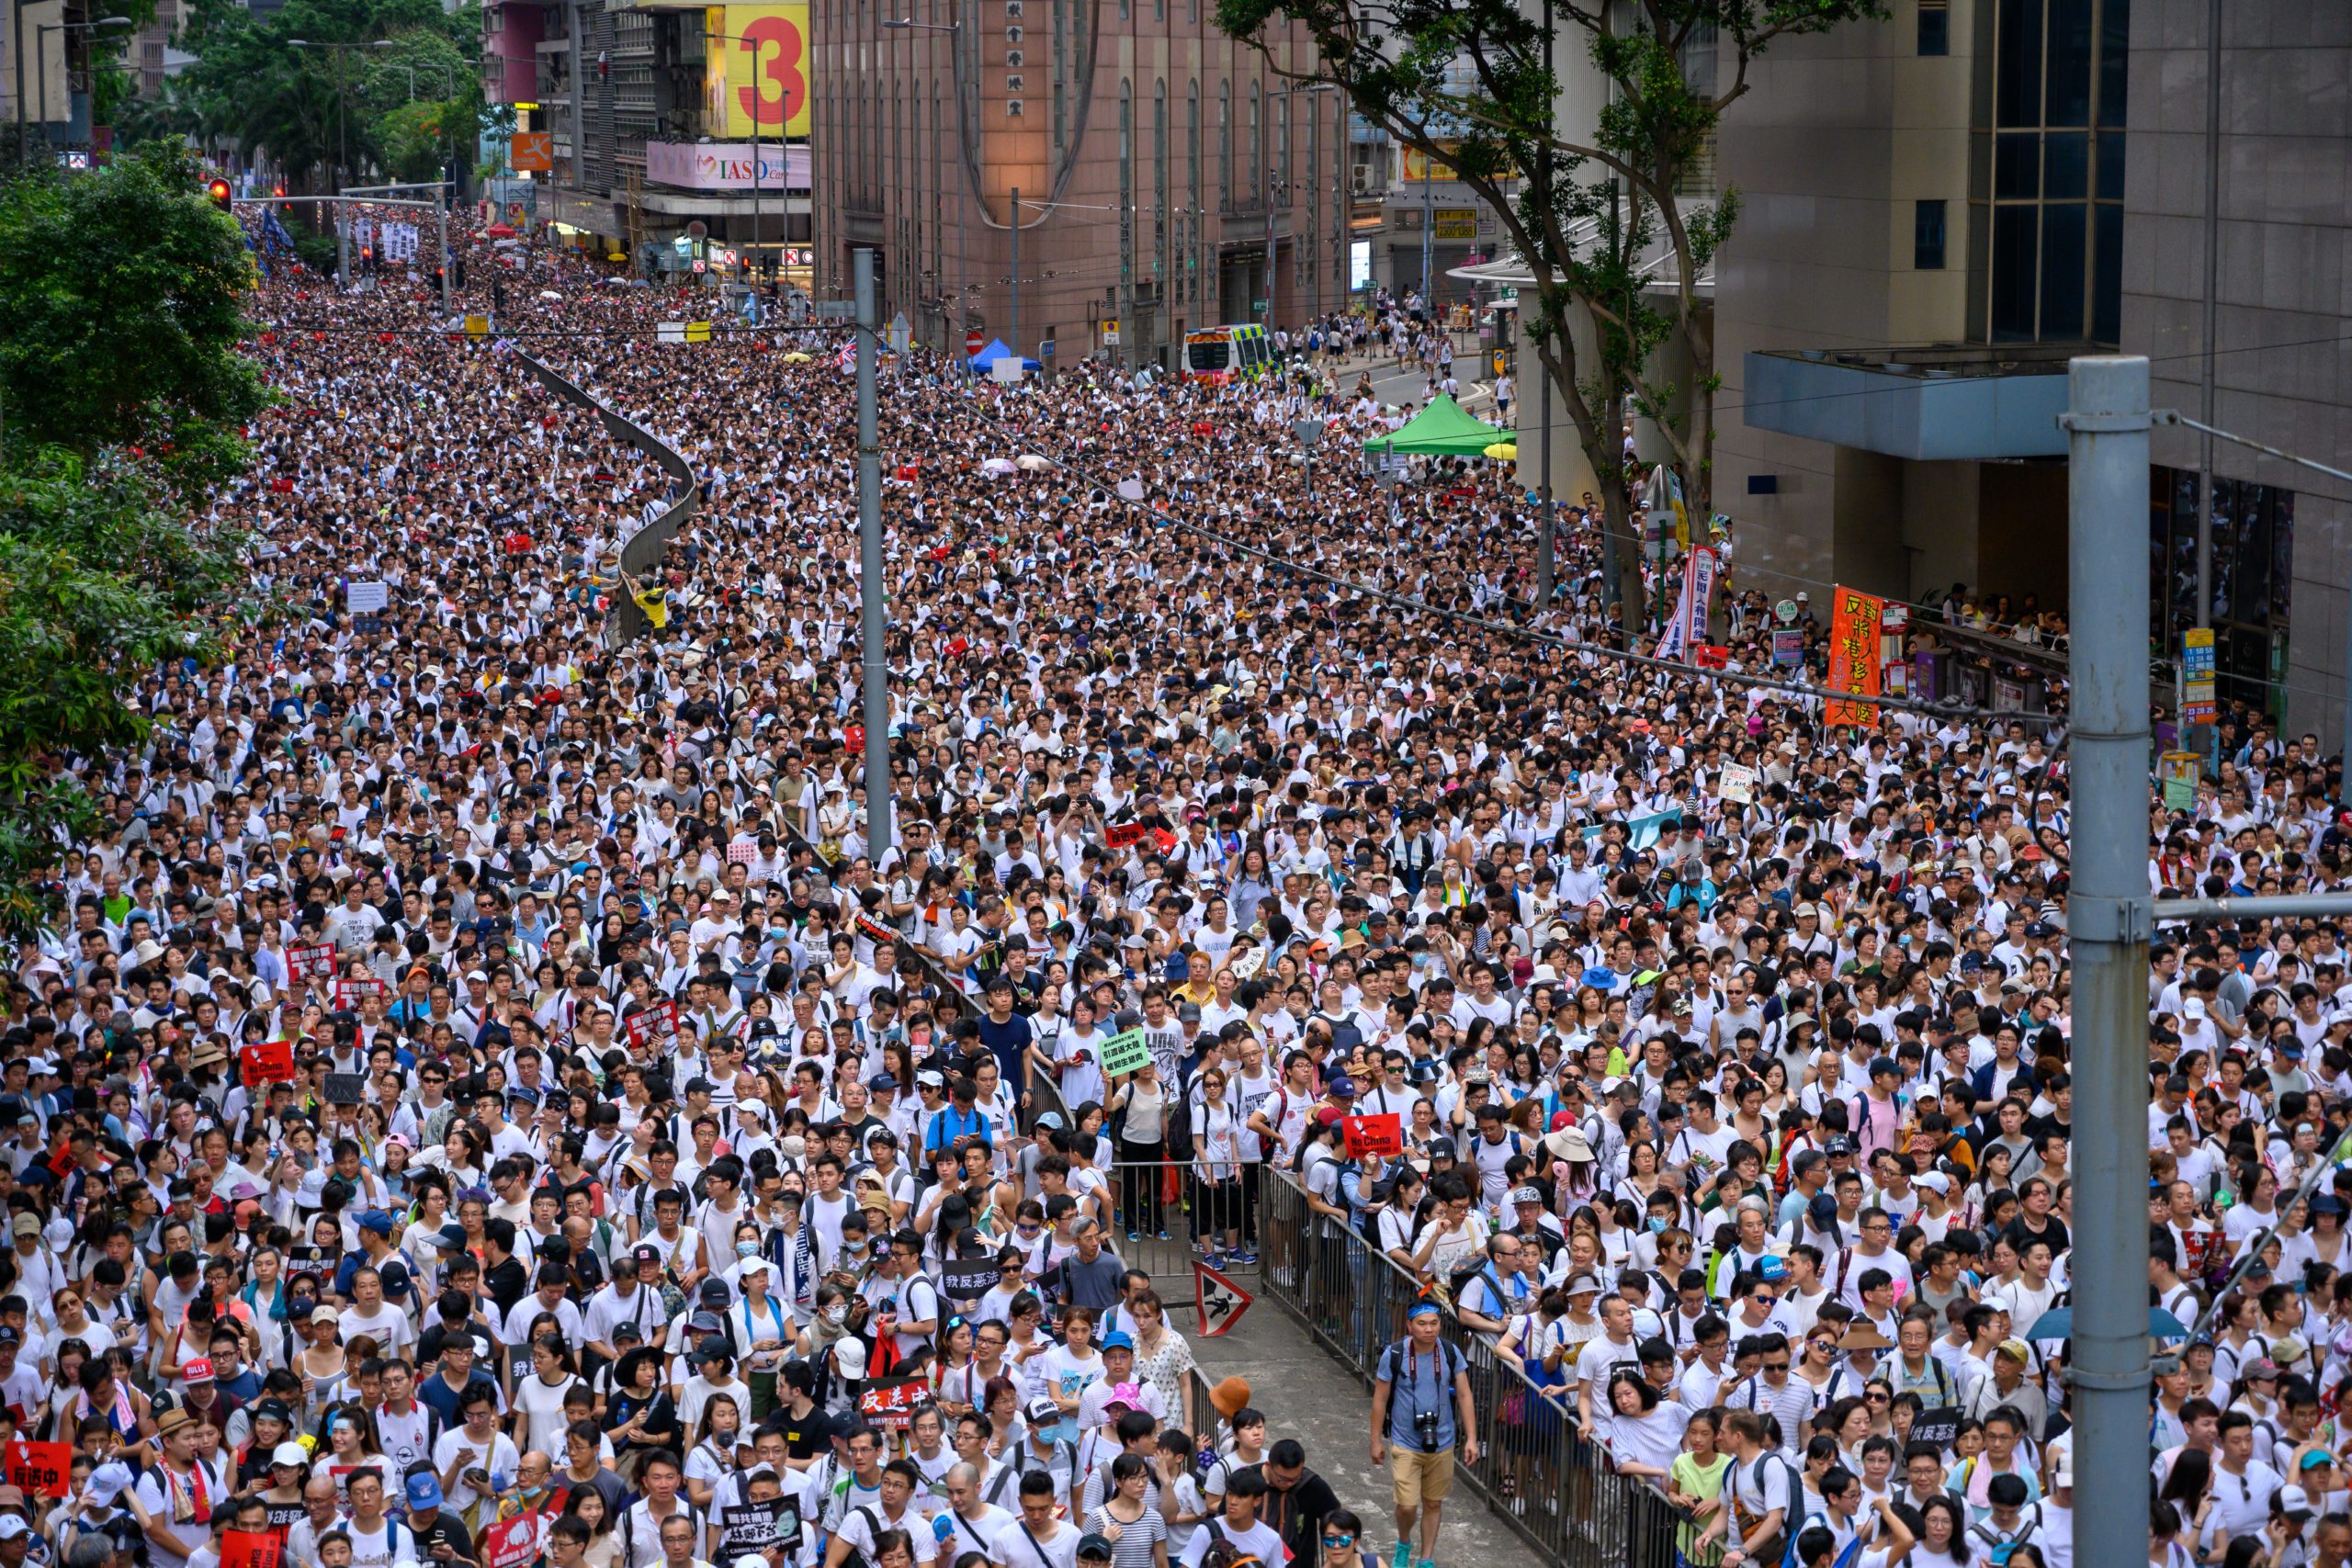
x=294, y=1456
x=1526, y=1194
x=1098, y=1547
x=1042, y=1412
x=424, y=1489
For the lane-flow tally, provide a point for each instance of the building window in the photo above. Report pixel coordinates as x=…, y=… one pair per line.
x=2254, y=555
x=2056, y=267
x=1126, y=181
x=1928, y=236
x=1225, y=144
x=1935, y=27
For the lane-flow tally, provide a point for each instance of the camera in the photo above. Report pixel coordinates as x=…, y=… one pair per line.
x=1425, y=1428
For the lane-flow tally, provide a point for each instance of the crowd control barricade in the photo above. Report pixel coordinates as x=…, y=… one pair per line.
x=1535, y=1472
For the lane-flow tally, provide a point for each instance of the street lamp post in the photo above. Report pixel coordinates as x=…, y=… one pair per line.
x=343, y=135
x=955, y=31
x=41, y=64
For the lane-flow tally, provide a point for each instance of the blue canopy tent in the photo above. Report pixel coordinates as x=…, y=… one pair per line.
x=984, y=362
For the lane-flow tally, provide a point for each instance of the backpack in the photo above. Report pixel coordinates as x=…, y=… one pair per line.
x=1224, y=1551
x=1784, y=1549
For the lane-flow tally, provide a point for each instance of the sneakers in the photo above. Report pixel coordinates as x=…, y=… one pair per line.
x=1403, y=1556
x=1425, y=1563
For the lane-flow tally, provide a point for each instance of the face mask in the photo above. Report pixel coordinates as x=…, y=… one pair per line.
x=747, y=1249
x=836, y=1314
x=1658, y=1222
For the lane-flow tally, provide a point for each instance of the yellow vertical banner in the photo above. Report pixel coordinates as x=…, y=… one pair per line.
x=1854, y=620
x=757, y=73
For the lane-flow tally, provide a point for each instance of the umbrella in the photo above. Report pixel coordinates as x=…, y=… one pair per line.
x=796, y=358
x=550, y=294
x=2058, y=1323
x=997, y=465
x=1506, y=450
x=500, y=232
x=1034, y=462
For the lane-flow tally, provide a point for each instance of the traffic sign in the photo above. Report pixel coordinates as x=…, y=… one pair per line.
x=1222, y=1301
x=974, y=342
x=1045, y=349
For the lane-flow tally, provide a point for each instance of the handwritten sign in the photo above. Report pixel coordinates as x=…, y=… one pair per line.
x=251, y=1549
x=1737, y=783
x=1373, y=1135
x=652, y=1025
x=365, y=598
x=509, y=1543
x=1854, y=622
x=41, y=1469
x=1124, y=1052
x=1125, y=833
x=306, y=963
x=271, y=1061
x=346, y=1089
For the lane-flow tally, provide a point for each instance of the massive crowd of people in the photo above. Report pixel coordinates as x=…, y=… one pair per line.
x=476, y=1076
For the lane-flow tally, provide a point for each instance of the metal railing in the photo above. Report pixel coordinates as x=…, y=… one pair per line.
x=642, y=550
x=1538, y=1474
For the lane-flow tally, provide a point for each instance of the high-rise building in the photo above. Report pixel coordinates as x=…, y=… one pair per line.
x=655, y=115
x=1941, y=209
x=1164, y=176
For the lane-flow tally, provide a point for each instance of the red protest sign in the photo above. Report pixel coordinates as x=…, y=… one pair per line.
x=41, y=1468
x=1125, y=833
x=252, y=1549
x=349, y=994
x=893, y=1404
x=1712, y=656
x=303, y=963
x=60, y=1160
x=271, y=1061
x=508, y=1544
x=651, y=1025
x=1373, y=1135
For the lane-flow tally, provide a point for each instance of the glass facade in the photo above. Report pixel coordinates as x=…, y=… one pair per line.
x=2254, y=553
x=2055, y=267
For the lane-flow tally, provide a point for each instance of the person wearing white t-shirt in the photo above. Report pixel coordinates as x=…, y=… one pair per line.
x=1034, y=1539
x=1237, y=1526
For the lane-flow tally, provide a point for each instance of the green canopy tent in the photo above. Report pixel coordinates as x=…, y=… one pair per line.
x=1442, y=430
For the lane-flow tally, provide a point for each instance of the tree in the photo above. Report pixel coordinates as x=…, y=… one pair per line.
x=119, y=312
x=120, y=306
x=1472, y=84
x=315, y=110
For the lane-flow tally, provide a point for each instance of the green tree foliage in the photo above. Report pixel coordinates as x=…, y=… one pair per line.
x=120, y=308
x=1595, y=210
x=400, y=100
x=119, y=296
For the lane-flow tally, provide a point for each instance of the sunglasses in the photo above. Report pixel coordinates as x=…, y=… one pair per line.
x=1776, y=1366
x=1338, y=1540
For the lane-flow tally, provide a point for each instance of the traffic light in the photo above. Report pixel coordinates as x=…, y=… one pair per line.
x=219, y=191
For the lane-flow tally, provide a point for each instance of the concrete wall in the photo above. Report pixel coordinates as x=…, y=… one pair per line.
x=2283, y=372
x=1836, y=139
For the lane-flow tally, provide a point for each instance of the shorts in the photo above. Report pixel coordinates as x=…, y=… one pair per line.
x=1420, y=1477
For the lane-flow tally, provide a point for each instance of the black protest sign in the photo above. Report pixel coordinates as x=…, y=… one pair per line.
x=1937, y=1427
x=967, y=1279
x=759, y=1527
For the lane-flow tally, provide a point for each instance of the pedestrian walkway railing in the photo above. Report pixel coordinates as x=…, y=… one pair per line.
x=642, y=550
x=1538, y=1473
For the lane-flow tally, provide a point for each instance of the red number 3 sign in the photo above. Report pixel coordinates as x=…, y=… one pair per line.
x=772, y=40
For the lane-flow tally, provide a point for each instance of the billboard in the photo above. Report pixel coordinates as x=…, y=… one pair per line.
x=717, y=165
x=757, y=74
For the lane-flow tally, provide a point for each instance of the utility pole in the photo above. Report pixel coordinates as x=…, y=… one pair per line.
x=2212, y=312
x=1018, y=357
x=1429, y=238
x=1543, y=547
x=869, y=554
x=2107, y=919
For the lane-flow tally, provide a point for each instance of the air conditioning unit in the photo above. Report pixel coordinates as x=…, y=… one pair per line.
x=1360, y=178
